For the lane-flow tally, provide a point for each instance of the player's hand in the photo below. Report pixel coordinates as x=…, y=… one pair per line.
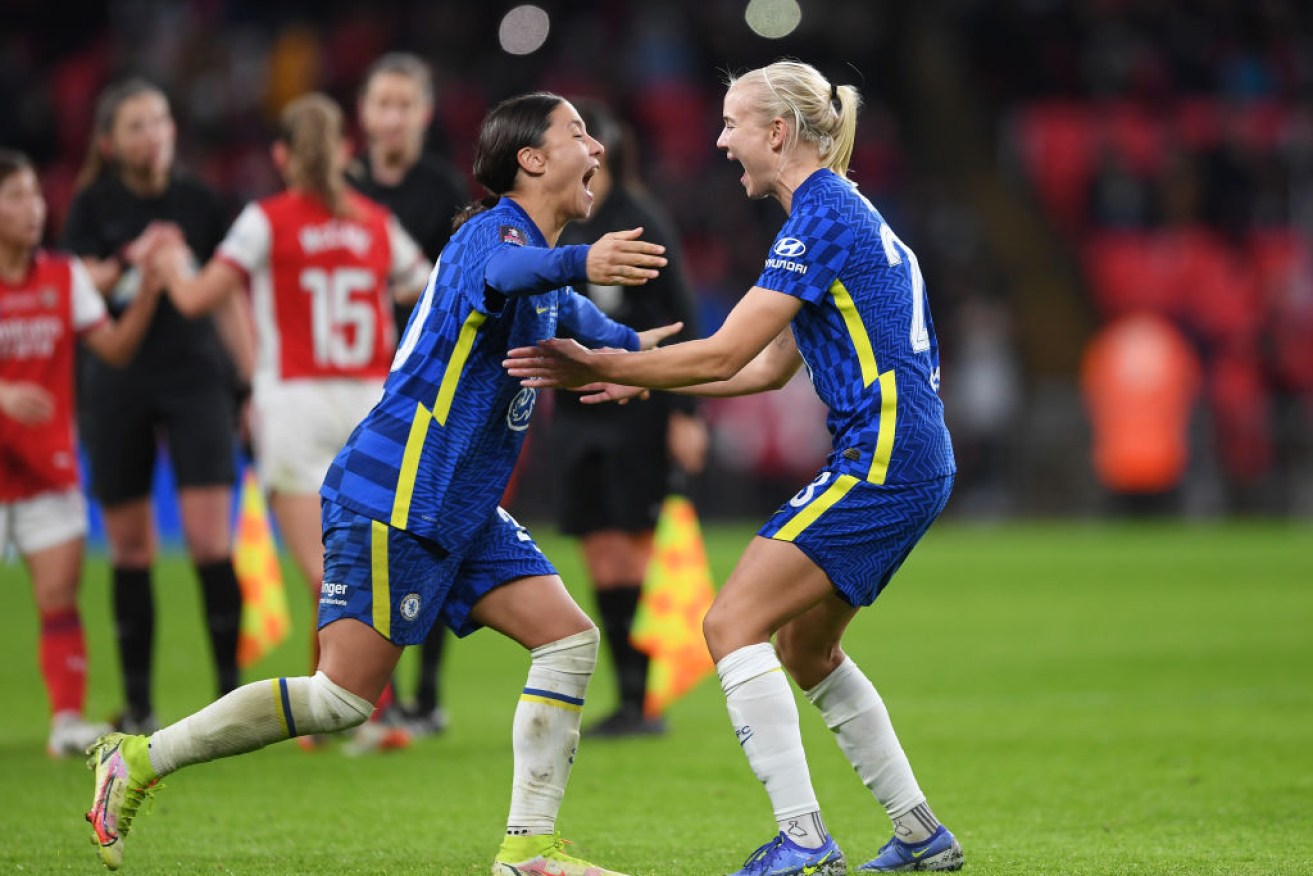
x=619, y=258
x=27, y=403
x=559, y=363
x=141, y=251
x=600, y=393
x=654, y=336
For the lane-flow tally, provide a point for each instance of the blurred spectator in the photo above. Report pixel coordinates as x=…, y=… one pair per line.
x=1140, y=379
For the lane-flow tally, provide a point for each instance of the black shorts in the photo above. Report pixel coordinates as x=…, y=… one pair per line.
x=612, y=475
x=122, y=424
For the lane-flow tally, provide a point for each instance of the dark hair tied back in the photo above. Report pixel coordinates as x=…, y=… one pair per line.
x=510, y=126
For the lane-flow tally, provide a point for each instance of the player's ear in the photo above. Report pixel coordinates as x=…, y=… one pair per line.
x=531, y=160
x=779, y=132
x=281, y=155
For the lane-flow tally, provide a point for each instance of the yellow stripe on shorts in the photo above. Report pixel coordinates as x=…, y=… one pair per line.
x=378, y=566
x=818, y=506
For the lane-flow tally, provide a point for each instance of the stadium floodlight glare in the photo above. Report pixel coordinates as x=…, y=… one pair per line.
x=523, y=30
x=773, y=19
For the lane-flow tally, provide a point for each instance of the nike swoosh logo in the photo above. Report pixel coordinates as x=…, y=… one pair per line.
x=919, y=854
x=808, y=870
x=542, y=309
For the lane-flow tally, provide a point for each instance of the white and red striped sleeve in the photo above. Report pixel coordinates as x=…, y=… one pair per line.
x=409, y=268
x=247, y=244
x=87, y=302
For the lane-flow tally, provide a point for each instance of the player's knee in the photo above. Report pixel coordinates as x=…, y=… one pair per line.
x=720, y=631
x=574, y=655
x=807, y=660
x=331, y=707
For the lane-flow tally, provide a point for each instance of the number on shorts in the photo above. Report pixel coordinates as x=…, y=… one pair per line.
x=807, y=493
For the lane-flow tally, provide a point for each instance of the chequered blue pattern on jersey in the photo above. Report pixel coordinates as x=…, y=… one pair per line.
x=466, y=460
x=861, y=540
x=840, y=231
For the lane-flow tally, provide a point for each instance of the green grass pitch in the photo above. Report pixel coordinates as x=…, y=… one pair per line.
x=1076, y=699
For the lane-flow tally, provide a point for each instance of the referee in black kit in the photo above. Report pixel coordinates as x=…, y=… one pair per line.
x=422, y=191
x=395, y=108
x=615, y=462
x=179, y=390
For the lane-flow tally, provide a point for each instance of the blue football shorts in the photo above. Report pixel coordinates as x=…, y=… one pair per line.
x=400, y=584
x=858, y=532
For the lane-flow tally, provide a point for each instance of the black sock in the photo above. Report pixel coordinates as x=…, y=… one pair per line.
x=617, y=606
x=134, y=628
x=430, y=667
x=223, y=615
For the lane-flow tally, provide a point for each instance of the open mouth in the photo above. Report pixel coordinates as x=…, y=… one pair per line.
x=588, y=178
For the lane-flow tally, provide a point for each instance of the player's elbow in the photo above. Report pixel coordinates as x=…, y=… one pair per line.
x=114, y=359
x=190, y=306
x=114, y=353
x=777, y=379
x=723, y=363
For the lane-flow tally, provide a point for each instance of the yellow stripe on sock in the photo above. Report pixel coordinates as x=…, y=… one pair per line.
x=547, y=701
x=278, y=706
x=378, y=557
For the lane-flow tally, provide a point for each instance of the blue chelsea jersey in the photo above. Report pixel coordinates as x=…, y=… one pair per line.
x=434, y=455
x=864, y=332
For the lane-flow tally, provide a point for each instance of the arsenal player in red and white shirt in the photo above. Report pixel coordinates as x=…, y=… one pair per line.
x=47, y=303
x=322, y=265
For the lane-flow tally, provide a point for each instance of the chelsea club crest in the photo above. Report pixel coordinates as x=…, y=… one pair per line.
x=521, y=409
x=410, y=606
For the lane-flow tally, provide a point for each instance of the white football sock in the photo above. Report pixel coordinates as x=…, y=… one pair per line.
x=854, y=712
x=545, y=733
x=765, y=718
x=254, y=716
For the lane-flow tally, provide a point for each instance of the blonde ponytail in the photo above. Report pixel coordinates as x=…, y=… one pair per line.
x=821, y=113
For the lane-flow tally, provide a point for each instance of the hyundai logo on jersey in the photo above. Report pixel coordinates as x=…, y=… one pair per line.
x=521, y=409
x=790, y=248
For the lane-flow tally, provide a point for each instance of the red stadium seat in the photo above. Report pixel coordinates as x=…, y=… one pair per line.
x=1057, y=151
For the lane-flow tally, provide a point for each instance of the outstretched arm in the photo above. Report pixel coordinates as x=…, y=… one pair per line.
x=618, y=259
x=755, y=321
x=116, y=340
x=196, y=294
x=769, y=369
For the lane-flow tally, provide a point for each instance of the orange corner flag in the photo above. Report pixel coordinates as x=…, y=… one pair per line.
x=265, y=620
x=676, y=595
